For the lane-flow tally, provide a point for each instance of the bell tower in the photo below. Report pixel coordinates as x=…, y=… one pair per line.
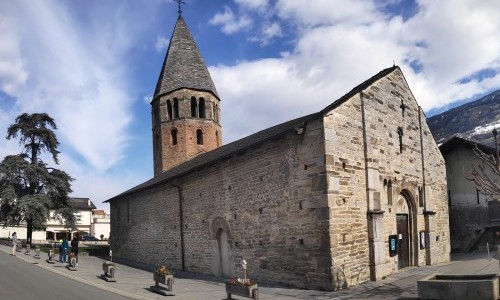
x=186, y=107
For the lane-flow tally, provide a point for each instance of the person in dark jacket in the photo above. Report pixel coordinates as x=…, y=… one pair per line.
x=74, y=247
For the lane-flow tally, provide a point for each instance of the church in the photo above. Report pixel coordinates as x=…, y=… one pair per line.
x=354, y=192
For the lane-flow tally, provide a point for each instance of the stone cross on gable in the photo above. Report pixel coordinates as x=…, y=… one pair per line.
x=403, y=107
x=179, y=3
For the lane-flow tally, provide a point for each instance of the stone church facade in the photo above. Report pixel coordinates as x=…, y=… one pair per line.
x=316, y=202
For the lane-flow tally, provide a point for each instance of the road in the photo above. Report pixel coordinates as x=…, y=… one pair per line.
x=21, y=280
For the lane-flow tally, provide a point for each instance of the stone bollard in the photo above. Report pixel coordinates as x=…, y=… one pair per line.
x=109, y=271
x=28, y=249
x=37, y=253
x=50, y=260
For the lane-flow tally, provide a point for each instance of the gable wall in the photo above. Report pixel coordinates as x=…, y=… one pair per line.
x=362, y=223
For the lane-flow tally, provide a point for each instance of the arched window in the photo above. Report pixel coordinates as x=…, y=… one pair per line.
x=176, y=108
x=193, y=107
x=201, y=108
x=173, y=134
x=199, y=137
x=169, y=109
x=400, y=135
x=217, y=138
x=389, y=192
x=216, y=114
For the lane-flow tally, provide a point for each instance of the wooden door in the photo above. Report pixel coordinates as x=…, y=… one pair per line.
x=403, y=241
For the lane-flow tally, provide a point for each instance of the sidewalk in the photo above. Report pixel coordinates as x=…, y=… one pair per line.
x=135, y=283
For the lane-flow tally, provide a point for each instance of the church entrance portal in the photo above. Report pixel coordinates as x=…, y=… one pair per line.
x=403, y=241
x=406, y=230
x=223, y=253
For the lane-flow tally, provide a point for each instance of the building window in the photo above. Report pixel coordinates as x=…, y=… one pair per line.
x=400, y=136
x=216, y=114
x=173, y=134
x=201, y=108
x=169, y=109
x=194, y=105
x=217, y=138
x=199, y=137
x=477, y=196
x=176, y=108
x=420, y=197
x=389, y=192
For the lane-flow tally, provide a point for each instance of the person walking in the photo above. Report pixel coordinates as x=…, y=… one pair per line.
x=60, y=250
x=74, y=247
x=65, y=250
x=14, y=243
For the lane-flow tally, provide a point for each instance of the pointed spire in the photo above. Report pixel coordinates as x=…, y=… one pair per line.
x=183, y=66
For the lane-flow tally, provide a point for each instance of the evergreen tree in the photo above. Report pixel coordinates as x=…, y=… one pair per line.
x=29, y=189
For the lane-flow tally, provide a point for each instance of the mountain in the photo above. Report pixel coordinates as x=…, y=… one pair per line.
x=474, y=121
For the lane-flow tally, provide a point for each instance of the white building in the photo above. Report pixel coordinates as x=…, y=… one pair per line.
x=90, y=221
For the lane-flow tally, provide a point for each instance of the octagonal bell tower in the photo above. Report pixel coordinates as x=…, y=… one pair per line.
x=185, y=107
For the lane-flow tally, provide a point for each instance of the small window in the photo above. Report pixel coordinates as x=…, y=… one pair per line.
x=176, y=108
x=173, y=133
x=193, y=107
x=201, y=108
x=400, y=136
x=169, y=109
x=199, y=137
x=389, y=192
x=217, y=138
x=403, y=107
x=420, y=196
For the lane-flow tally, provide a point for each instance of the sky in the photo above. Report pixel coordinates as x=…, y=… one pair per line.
x=93, y=65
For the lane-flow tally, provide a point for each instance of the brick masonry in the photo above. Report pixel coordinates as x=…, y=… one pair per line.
x=307, y=209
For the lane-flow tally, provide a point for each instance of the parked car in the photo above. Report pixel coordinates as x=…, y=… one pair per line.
x=89, y=238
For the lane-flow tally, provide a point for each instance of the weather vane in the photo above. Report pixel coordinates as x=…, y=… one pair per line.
x=179, y=3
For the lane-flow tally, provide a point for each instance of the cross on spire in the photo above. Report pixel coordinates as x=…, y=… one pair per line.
x=179, y=3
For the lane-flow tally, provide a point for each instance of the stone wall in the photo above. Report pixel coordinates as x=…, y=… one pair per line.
x=359, y=175
x=272, y=198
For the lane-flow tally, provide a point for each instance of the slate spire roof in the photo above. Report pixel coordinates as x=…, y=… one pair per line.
x=183, y=66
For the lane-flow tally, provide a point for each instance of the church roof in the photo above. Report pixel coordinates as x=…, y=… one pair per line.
x=183, y=66
x=251, y=141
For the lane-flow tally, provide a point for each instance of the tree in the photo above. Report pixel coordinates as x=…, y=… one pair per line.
x=486, y=174
x=29, y=189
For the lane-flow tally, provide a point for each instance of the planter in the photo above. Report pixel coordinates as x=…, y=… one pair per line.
x=167, y=280
x=249, y=291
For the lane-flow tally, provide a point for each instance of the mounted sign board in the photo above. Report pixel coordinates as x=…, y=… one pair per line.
x=393, y=245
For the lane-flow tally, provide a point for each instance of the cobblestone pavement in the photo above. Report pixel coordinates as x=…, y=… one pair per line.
x=135, y=282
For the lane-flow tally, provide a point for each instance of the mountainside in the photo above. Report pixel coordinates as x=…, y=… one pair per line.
x=474, y=121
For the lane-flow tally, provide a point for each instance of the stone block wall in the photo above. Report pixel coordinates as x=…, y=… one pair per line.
x=145, y=227
x=359, y=177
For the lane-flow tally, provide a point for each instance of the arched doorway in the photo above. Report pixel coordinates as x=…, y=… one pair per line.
x=221, y=235
x=222, y=252
x=405, y=210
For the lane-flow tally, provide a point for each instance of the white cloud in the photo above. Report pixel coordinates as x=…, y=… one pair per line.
x=253, y=4
x=339, y=44
x=161, y=43
x=230, y=22
x=12, y=71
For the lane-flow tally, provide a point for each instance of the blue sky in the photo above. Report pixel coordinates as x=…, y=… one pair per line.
x=93, y=66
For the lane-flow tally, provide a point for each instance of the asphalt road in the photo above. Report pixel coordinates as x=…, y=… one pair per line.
x=21, y=280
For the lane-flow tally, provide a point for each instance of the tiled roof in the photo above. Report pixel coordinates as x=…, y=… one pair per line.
x=183, y=66
x=254, y=140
